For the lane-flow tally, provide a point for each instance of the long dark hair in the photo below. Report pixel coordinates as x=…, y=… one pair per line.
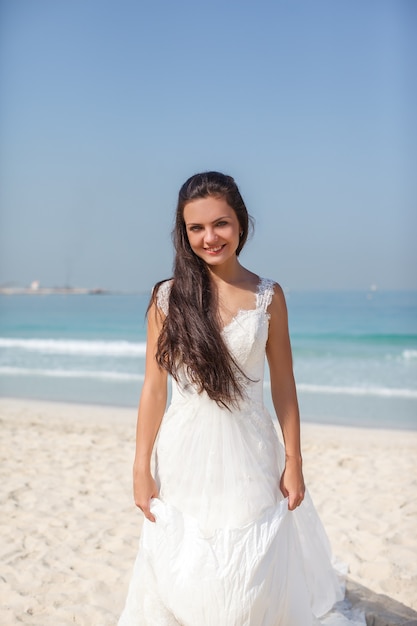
x=191, y=335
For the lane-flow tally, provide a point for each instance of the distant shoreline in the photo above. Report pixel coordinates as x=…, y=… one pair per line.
x=42, y=291
x=46, y=291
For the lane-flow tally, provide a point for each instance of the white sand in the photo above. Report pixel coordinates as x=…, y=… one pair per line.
x=69, y=529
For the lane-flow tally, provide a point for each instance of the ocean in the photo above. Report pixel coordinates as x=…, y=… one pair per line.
x=355, y=353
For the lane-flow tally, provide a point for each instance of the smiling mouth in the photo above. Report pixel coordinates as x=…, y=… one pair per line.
x=214, y=248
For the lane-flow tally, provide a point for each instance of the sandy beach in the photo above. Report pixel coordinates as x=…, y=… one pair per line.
x=69, y=529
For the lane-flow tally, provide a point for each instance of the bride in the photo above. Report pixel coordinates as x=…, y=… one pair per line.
x=231, y=537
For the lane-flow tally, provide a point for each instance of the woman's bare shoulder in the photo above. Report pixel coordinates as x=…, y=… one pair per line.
x=278, y=305
x=160, y=295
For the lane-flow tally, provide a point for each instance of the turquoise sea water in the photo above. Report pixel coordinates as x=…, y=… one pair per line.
x=355, y=353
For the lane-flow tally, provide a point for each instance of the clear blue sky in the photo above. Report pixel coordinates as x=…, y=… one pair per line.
x=108, y=106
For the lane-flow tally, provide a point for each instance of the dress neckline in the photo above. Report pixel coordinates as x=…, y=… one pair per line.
x=260, y=288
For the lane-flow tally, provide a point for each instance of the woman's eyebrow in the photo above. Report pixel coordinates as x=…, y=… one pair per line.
x=223, y=217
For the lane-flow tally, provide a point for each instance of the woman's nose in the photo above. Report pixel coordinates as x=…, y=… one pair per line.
x=210, y=236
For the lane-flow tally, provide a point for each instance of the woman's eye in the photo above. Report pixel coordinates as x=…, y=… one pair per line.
x=221, y=223
x=195, y=228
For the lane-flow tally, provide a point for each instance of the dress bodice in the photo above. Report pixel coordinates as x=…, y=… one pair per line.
x=245, y=336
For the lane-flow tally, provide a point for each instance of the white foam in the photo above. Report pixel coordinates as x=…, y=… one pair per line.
x=76, y=347
x=409, y=354
x=383, y=392
x=59, y=373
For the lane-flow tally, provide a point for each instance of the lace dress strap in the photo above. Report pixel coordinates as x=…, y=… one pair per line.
x=162, y=297
x=265, y=293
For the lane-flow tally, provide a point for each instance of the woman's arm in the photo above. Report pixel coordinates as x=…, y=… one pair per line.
x=151, y=410
x=284, y=397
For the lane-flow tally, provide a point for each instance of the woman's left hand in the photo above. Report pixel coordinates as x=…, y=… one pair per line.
x=292, y=483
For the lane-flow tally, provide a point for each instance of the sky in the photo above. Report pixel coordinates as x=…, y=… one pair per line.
x=108, y=106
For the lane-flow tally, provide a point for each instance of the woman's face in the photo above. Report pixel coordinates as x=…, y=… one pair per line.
x=213, y=229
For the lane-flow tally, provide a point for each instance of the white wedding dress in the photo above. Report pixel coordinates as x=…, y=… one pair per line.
x=225, y=550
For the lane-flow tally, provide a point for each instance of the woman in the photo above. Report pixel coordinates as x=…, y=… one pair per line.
x=230, y=537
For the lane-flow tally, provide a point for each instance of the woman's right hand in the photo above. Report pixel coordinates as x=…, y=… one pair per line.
x=144, y=489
